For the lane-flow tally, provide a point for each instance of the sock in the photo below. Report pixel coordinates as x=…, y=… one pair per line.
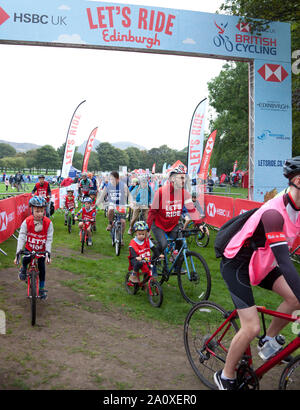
x=225, y=377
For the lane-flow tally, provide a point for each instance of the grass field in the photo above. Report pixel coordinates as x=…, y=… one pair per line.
x=100, y=274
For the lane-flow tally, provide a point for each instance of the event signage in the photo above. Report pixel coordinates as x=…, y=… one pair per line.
x=113, y=26
x=88, y=149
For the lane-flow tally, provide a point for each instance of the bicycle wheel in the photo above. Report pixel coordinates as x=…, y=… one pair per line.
x=69, y=223
x=82, y=239
x=290, y=377
x=118, y=240
x=155, y=293
x=130, y=287
x=194, y=279
x=32, y=295
x=206, y=355
x=112, y=234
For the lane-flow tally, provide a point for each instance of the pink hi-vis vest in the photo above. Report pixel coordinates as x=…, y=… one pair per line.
x=263, y=259
x=36, y=241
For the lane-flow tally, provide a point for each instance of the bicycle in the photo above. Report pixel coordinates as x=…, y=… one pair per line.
x=148, y=282
x=194, y=281
x=32, y=278
x=208, y=331
x=70, y=219
x=83, y=232
x=116, y=230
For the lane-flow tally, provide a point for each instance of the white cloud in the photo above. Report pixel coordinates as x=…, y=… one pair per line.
x=67, y=38
x=64, y=7
x=189, y=41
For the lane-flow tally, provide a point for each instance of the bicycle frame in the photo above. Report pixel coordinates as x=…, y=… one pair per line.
x=273, y=361
x=33, y=268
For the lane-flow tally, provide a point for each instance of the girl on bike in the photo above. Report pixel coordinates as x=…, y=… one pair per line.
x=88, y=214
x=140, y=248
x=36, y=233
x=69, y=205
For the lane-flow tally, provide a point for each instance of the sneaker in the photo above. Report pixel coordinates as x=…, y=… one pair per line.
x=90, y=243
x=43, y=293
x=65, y=223
x=133, y=279
x=22, y=275
x=224, y=384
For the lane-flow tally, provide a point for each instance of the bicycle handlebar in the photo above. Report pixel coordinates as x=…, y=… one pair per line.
x=32, y=254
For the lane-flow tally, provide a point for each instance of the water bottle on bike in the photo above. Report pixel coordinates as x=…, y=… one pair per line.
x=270, y=347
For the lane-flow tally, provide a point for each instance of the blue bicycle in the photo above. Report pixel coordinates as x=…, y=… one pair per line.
x=193, y=275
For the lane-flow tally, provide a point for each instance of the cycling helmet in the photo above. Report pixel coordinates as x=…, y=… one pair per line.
x=92, y=192
x=291, y=167
x=41, y=176
x=84, y=174
x=87, y=199
x=70, y=190
x=134, y=180
x=37, y=201
x=140, y=226
x=178, y=170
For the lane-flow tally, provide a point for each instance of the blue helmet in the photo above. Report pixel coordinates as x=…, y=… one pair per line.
x=38, y=201
x=140, y=226
x=87, y=199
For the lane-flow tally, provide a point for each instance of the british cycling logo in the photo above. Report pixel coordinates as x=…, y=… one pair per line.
x=244, y=41
x=3, y=16
x=267, y=134
x=3, y=221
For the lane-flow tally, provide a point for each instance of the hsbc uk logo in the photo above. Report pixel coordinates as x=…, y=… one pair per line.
x=3, y=16
x=273, y=72
x=212, y=211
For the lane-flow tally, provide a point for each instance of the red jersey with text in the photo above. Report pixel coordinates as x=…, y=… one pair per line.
x=167, y=207
x=70, y=202
x=36, y=241
x=42, y=190
x=142, y=250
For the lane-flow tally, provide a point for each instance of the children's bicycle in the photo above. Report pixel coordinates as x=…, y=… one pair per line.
x=70, y=219
x=190, y=267
x=32, y=279
x=146, y=282
x=208, y=331
x=116, y=230
x=83, y=232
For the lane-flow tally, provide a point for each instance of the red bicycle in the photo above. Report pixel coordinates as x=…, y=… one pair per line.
x=146, y=282
x=83, y=231
x=32, y=279
x=208, y=331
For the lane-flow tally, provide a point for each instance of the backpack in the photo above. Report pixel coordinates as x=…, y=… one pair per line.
x=229, y=229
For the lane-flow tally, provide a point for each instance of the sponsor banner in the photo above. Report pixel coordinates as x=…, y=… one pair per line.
x=13, y=211
x=206, y=155
x=55, y=197
x=105, y=24
x=88, y=149
x=273, y=126
x=71, y=141
x=218, y=210
x=195, y=141
x=243, y=205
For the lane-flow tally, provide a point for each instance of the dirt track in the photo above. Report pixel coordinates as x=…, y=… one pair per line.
x=78, y=345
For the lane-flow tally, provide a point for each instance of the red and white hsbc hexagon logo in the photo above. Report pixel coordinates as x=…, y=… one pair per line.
x=3, y=221
x=244, y=27
x=273, y=72
x=3, y=16
x=211, y=210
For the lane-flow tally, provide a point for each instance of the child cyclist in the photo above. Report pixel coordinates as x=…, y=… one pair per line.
x=36, y=233
x=88, y=214
x=69, y=205
x=140, y=248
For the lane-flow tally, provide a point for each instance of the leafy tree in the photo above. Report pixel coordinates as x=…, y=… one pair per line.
x=47, y=158
x=228, y=95
x=7, y=150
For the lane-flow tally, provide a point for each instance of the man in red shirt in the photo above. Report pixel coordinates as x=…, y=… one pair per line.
x=42, y=189
x=167, y=207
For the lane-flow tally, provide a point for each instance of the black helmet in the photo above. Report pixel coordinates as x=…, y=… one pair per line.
x=291, y=167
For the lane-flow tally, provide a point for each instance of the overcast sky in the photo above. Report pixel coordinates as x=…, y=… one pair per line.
x=147, y=99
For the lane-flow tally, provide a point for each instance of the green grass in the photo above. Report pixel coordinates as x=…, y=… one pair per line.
x=100, y=274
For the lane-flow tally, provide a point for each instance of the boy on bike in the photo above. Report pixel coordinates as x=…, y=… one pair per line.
x=140, y=248
x=69, y=205
x=88, y=214
x=36, y=233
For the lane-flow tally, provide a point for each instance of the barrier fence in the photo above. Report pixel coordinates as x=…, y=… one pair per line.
x=219, y=210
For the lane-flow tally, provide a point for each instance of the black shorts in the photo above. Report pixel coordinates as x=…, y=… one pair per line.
x=236, y=276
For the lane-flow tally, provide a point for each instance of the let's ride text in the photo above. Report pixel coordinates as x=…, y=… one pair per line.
x=109, y=20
